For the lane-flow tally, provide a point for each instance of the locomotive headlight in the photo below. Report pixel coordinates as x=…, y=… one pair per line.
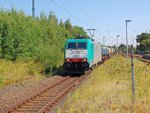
x=67, y=60
x=84, y=60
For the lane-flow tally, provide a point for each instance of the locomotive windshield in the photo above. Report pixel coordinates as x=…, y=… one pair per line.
x=82, y=45
x=77, y=45
x=71, y=45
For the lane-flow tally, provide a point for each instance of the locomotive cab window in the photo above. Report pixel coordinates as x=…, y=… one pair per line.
x=77, y=45
x=82, y=45
x=71, y=45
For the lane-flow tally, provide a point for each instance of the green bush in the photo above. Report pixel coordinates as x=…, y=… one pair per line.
x=41, y=39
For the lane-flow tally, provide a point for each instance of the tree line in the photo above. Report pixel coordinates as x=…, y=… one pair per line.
x=41, y=39
x=143, y=44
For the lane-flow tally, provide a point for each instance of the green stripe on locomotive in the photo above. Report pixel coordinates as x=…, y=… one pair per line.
x=90, y=48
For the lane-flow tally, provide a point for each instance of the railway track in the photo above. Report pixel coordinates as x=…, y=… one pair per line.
x=145, y=60
x=140, y=57
x=46, y=99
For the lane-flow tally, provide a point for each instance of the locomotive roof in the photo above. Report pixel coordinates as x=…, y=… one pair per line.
x=78, y=40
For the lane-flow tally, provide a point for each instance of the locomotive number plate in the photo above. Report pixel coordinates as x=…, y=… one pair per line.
x=75, y=56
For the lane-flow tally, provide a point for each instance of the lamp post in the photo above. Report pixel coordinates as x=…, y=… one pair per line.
x=117, y=43
x=127, y=34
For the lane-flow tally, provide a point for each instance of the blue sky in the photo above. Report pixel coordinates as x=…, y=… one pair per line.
x=107, y=16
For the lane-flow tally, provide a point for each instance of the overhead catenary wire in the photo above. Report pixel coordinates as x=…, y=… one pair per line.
x=87, y=16
x=75, y=17
x=69, y=13
x=72, y=15
x=100, y=25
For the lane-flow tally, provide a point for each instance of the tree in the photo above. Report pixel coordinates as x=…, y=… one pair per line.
x=122, y=48
x=53, y=18
x=76, y=31
x=41, y=39
x=144, y=42
x=68, y=25
x=61, y=23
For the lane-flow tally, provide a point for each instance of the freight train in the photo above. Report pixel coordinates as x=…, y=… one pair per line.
x=82, y=54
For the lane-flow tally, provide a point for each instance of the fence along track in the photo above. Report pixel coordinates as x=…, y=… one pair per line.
x=45, y=99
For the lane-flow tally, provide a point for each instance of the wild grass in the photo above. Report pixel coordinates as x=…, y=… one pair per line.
x=108, y=90
x=12, y=72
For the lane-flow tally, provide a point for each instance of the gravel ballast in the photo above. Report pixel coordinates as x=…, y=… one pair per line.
x=14, y=93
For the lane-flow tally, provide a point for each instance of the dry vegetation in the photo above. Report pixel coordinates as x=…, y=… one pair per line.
x=108, y=90
x=12, y=72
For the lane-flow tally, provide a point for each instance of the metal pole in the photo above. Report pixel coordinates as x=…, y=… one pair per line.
x=33, y=9
x=127, y=35
x=132, y=68
x=127, y=38
x=136, y=42
x=117, y=43
x=146, y=31
x=103, y=40
x=134, y=37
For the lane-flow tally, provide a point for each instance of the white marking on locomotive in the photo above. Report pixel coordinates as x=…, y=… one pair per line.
x=76, y=53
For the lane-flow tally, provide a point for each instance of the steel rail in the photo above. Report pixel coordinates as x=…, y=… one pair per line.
x=43, y=105
x=139, y=57
x=54, y=101
x=9, y=109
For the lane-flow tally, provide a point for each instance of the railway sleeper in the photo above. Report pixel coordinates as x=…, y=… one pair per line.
x=39, y=101
x=28, y=107
x=28, y=110
x=25, y=111
x=48, y=95
x=45, y=97
x=43, y=100
x=39, y=105
x=35, y=104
